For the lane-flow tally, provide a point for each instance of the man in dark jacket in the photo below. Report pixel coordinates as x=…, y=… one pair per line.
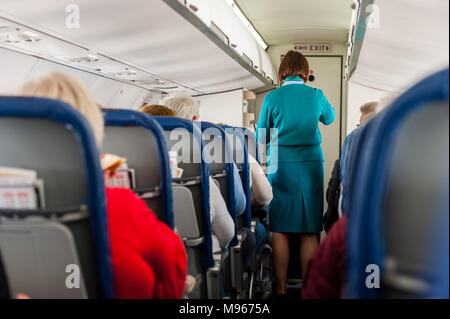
x=333, y=193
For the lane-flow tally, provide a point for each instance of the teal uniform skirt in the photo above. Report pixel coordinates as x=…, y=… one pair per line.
x=297, y=204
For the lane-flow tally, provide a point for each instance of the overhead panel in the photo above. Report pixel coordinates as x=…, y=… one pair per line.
x=397, y=50
x=150, y=36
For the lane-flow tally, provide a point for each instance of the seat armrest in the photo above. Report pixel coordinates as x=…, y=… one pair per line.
x=193, y=242
x=214, y=278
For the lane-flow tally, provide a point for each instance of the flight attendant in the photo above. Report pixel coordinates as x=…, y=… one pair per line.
x=289, y=125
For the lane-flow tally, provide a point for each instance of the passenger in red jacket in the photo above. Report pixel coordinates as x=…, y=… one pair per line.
x=325, y=276
x=149, y=260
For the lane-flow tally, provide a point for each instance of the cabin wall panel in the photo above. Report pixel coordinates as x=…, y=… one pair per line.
x=149, y=98
x=14, y=70
x=43, y=67
x=222, y=107
x=125, y=97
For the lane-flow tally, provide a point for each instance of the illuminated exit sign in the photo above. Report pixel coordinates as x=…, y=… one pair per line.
x=313, y=47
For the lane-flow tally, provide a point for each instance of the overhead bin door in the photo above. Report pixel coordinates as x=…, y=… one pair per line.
x=266, y=64
x=239, y=36
x=201, y=8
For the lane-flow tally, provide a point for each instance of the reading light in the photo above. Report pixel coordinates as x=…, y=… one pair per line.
x=147, y=82
x=82, y=59
x=29, y=36
x=15, y=35
x=126, y=72
x=9, y=34
x=247, y=23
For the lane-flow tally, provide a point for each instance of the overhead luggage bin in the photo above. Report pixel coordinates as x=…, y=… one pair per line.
x=267, y=68
x=160, y=45
x=239, y=38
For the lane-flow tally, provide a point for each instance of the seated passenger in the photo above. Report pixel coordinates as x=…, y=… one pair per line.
x=332, y=196
x=261, y=196
x=183, y=105
x=148, y=258
x=157, y=110
x=367, y=111
x=325, y=275
x=221, y=222
x=187, y=108
x=260, y=188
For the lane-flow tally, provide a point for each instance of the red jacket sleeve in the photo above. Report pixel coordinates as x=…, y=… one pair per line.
x=140, y=239
x=324, y=278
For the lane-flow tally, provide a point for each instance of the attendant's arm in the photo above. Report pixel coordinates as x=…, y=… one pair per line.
x=328, y=113
x=265, y=122
x=221, y=222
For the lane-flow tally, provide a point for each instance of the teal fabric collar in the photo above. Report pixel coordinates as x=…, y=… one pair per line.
x=293, y=78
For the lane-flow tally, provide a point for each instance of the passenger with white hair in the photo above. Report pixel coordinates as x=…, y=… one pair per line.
x=367, y=111
x=183, y=105
x=187, y=108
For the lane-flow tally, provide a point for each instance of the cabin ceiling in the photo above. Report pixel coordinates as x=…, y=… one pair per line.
x=287, y=21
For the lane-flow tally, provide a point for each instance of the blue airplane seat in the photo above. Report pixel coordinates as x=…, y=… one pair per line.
x=397, y=237
x=141, y=140
x=252, y=144
x=243, y=162
x=56, y=141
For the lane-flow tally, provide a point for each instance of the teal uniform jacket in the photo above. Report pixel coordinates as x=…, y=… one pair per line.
x=289, y=125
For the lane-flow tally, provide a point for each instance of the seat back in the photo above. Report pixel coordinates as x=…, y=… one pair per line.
x=42, y=247
x=186, y=139
x=217, y=141
x=141, y=140
x=191, y=198
x=398, y=198
x=219, y=155
x=237, y=139
x=252, y=144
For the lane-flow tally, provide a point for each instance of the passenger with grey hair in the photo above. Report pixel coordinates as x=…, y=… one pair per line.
x=183, y=105
x=367, y=111
x=187, y=108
